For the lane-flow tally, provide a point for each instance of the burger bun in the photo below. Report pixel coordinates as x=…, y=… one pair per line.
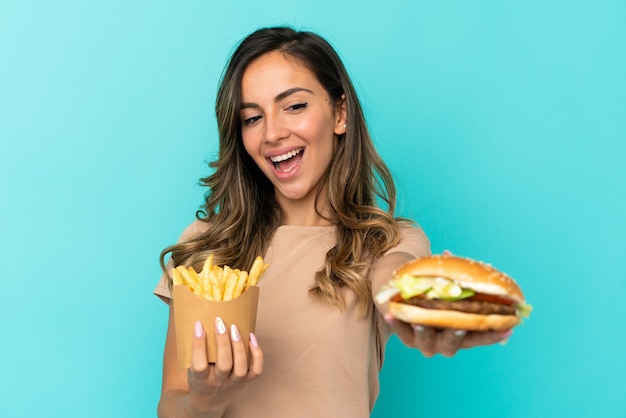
x=469, y=274
x=439, y=318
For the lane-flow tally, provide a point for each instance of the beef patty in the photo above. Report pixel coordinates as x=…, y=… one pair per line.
x=465, y=305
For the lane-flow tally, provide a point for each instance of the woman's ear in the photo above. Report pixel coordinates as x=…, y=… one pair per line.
x=341, y=115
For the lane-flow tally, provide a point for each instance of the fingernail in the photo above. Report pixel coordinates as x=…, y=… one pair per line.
x=253, y=340
x=506, y=334
x=389, y=319
x=418, y=328
x=234, y=333
x=219, y=326
x=197, y=329
x=460, y=333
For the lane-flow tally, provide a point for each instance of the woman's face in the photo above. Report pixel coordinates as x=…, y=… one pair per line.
x=289, y=126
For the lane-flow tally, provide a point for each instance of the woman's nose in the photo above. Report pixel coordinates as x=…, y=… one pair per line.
x=275, y=129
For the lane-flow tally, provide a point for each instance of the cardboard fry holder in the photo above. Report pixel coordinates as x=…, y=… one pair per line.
x=189, y=308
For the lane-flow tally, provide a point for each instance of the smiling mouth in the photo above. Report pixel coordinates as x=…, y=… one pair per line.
x=287, y=161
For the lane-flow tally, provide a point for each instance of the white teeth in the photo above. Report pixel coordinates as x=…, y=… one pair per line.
x=285, y=156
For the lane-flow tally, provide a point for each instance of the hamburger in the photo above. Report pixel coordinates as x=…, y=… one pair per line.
x=447, y=291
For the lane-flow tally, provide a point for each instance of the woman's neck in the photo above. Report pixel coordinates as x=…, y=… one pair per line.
x=304, y=220
x=303, y=212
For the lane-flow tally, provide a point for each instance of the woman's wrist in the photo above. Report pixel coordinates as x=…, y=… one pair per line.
x=181, y=404
x=199, y=406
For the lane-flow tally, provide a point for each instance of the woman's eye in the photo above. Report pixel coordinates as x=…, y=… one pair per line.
x=298, y=106
x=251, y=120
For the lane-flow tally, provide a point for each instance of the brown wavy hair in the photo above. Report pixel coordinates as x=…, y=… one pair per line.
x=240, y=207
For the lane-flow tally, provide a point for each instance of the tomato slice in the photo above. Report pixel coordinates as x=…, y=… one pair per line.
x=397, y=298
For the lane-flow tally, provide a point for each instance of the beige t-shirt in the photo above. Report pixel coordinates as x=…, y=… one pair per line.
x=318, y=361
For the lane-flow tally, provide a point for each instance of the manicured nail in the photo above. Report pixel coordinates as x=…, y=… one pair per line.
x=389, y=318
x=253, y=340
x=197, y=329
x=460, y=333
x=219, y=326
x=234, y=333
x=506, y=335
x=418, y=328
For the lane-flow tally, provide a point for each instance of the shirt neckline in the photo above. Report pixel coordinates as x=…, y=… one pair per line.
x=304, y=227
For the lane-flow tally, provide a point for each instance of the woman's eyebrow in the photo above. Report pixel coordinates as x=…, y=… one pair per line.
x=278, y=98
x=289, y=92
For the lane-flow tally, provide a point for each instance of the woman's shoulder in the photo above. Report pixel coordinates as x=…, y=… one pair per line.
x=413, y=240
x=195, y=228
x=408, y=228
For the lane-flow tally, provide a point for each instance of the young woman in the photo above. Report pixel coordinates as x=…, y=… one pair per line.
x=297, y=181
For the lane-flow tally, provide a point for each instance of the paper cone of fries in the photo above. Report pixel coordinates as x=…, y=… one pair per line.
x=189, y=308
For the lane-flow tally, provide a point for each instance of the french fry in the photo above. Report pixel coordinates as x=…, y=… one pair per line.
x=216, y=287
x=188, y=278
x=176, y=277
x=217, y=283
x=226, y=272
x=198, y=287
x=230, y=283
x=219, y=274
x=195, y=276
x=242, y=279
x=256, y=271
x=208, y=265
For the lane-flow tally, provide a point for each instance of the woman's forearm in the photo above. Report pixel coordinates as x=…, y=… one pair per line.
x=179, y=404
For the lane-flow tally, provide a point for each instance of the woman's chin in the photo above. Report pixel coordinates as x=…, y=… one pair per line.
x=294, y=194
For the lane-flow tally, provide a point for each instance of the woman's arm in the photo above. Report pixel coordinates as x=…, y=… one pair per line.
x=205, y=390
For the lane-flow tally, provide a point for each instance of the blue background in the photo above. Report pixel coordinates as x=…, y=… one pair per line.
x=503, y=123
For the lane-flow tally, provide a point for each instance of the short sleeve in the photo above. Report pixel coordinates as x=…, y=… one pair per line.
x=413, y=241
x=162, y=289
x=413, y=244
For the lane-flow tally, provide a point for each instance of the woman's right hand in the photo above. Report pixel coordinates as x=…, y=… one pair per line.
x=214, y=384
x=206, y=389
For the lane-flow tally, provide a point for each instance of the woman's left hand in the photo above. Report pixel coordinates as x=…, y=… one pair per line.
x=431, y=341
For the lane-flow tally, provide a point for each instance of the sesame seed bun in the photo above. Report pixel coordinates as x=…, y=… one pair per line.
x=468, y=273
